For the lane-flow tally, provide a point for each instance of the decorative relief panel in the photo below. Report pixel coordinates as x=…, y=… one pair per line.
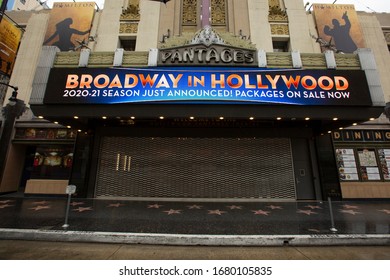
x=128, y=27
x=132, y=11
x=280, y=29
x=190, y=8
x=130, y=17
x=275, y=12
x=218, y=12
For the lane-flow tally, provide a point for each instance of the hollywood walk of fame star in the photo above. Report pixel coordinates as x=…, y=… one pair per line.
x=352, y=212
x=306, y=212
x=76, y=203
x=156, y=206
x=115, y=205
x=40, y=202
x=313, y=207
x=194, y=206
x=232, y=207
x=40, y=207
x=6, y=201
x=2, y=206
x=273, y=207
x=173, y=211
x=347, y=206
x=216, y=212
x=260, y=212
x=82, y=209
x=385, y=211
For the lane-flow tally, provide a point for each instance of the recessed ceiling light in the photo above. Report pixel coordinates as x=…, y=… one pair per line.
x=132, y=117
x=329, y=131
x=221, y=118
x=371, y=119
x=161, y=117
x=104, y=117
x=354, y=124
x=307, y=119
x=79, y=130
x=341, y=128
x=56, y=122
x=278, y=118
x=76, y=117
x=68, y=126
x=251, y=118
x=335, y=119
x=40, y=117
x=191, y=118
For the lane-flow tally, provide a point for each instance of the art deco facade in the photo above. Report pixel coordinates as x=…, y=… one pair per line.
x=212, y=99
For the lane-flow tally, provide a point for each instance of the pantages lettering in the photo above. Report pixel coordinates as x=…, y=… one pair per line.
x=213, y=55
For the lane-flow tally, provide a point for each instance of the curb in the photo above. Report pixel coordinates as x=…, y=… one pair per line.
x=194, y=240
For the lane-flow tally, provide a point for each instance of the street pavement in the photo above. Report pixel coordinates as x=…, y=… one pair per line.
x=45, y=250
x=253, y=230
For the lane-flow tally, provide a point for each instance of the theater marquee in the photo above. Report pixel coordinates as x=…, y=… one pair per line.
x=136, y=85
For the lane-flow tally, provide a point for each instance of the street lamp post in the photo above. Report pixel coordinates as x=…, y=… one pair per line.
x=13, y=110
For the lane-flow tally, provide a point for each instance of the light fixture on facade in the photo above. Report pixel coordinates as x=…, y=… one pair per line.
x=278, y=118
x=75, y=117
x=40, y=117
x=329, y=131
x=372, y=119
x=341, y=128
x=335, y=119
x=251, y=118
x=79, y=130
x=354, y=124
x=191, y=118
x=56, y=122
x=307, y=119
x=161, y=117
x=68, y=126
x=132, y=117
x=221, y=118
x=104, y=117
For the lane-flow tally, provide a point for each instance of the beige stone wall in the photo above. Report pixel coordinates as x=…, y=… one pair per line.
x=260, y=30
x=148, y=26
x=28, y=56
x=299, y=28
x=108, y=26
x=375, y=40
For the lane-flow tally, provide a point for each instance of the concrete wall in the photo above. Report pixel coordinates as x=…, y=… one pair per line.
x=28, y=56
x=148, y=27
x=299, y=28
x=260, y=30
x=375, y=40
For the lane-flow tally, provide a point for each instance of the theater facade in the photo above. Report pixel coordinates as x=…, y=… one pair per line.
x=212, y=117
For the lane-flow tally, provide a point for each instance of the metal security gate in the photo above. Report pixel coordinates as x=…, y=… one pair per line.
x=245, y=168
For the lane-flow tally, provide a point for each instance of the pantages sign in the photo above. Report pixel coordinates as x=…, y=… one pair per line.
x=207, y=49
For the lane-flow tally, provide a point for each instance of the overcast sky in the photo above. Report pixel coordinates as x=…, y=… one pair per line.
x=378, y=6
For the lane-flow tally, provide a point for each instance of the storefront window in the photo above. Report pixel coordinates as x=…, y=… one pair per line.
x=347, y=165
x=52, y=162
x=384, y=158
x=363, y=164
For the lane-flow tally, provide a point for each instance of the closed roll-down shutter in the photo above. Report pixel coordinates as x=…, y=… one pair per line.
x=245, y=168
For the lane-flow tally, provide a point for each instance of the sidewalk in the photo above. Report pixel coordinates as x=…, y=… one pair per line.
x=196, y=223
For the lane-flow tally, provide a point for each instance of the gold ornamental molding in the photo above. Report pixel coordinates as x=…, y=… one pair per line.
x=276, y=14
x=128, y=27
x=280, y=29
x=218, y=12
x=189, y=12
x=131, y=12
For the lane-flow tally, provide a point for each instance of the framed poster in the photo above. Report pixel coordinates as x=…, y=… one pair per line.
x=369, y=170
x=346, y=165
